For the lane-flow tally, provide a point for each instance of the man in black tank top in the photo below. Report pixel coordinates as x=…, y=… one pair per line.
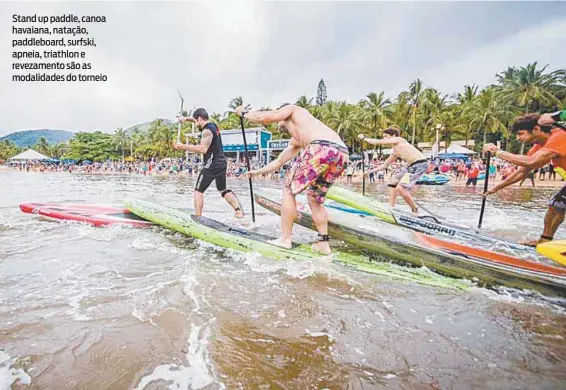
x=215, y=162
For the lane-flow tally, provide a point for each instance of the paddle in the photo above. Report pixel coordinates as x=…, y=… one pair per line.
x=180, y=113
x=363, y=169
x=488, y=156
x=248, y=162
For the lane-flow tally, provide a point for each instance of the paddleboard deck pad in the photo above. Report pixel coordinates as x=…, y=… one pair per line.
x=242, y=240
x=490, y=268
x=94, y=214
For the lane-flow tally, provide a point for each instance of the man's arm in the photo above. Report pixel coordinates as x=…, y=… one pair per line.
x=385, y=164
x=513, y=178
x=205, y=142
x=290, y=151
x=389, y=141
x=537, y=160
x=266, y=117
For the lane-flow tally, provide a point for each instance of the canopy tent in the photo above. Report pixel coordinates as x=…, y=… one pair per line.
x=30, y=154
x=453, y=156
x=455, y=148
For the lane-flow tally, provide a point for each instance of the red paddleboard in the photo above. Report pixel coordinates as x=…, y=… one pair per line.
x=97, y=215
x=495, y=257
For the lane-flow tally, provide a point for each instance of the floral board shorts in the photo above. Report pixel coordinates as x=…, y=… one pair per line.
x=317, y=168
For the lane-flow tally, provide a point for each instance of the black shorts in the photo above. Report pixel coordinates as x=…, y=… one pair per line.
x=559, y=199
x=205, y=179
x=472, y=180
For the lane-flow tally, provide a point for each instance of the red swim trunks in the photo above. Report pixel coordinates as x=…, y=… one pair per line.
x=317, y=168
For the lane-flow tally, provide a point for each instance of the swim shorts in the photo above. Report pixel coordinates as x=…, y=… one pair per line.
x=317, y=168
x=559, y=199
x=409, y=176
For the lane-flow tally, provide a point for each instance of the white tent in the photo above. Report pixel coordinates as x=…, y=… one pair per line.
x=455, y=148
x=29, y=154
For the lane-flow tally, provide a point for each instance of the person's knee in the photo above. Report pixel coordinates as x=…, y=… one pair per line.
x=223, y=193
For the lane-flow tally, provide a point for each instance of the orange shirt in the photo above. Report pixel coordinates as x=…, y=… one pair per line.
x=555, y=143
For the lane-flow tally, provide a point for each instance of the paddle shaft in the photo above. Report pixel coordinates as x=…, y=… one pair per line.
x=248, y=165
x=485, y=184
x=363, y=169
x=180, y=113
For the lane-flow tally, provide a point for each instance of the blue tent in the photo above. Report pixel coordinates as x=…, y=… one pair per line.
x=454, y=156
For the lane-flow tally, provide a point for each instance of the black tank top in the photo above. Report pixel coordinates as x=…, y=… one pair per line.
x=214, y=158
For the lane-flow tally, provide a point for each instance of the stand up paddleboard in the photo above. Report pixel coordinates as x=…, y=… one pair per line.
x=242, y=240
x=448, y=258
x=94, y=214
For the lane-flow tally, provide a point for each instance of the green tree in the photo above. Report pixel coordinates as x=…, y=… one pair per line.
x=42, y=146
x=321, y=93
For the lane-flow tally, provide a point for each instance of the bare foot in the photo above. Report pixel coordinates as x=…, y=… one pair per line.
x=534, y=243
x=282, y=243
x=321, y=247
x=239, y=213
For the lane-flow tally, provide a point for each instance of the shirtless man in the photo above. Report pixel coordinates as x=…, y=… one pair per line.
x=549, y=145
x=322, y=161
x=405, y=180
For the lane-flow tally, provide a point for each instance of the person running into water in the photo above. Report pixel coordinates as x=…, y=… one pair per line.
x=215, y=162
x=322, y=161
x=549, y=145
x=405, y=180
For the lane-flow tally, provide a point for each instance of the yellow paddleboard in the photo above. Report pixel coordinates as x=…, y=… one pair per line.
x=555, y=250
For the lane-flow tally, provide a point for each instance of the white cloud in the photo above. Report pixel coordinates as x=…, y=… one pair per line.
x=268, y=53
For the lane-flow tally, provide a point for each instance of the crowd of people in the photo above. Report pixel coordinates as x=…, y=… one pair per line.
x=458, y=170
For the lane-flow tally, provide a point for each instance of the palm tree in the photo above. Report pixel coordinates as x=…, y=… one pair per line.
x=489, y=113
x=304, y=102
x=120, y=139
x=398, y=113
x=161, y=136
x=374, y=110
x=345, y=119
x=42, y=146
x=415, y=92
x=236, y=102
x=530, y=87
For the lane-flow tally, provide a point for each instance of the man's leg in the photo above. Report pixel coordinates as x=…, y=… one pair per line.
x=200, y=187
x=288, y=215
x=228, y=195
x=198, y=202
x=320, y=218
x=393, y=197
x=407, y=197
x=552, y=220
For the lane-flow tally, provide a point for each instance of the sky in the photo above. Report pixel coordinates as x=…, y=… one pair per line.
x=270, y=53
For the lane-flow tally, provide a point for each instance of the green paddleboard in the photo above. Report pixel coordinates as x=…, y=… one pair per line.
x=230, y=237
x=360, y=202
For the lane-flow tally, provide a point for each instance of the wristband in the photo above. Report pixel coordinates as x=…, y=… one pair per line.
x=498, y=153
x=557, y=116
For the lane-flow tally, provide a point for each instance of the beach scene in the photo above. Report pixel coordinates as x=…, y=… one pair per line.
x=283, y=195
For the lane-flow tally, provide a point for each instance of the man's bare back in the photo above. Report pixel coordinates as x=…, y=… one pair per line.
x=305, y=128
